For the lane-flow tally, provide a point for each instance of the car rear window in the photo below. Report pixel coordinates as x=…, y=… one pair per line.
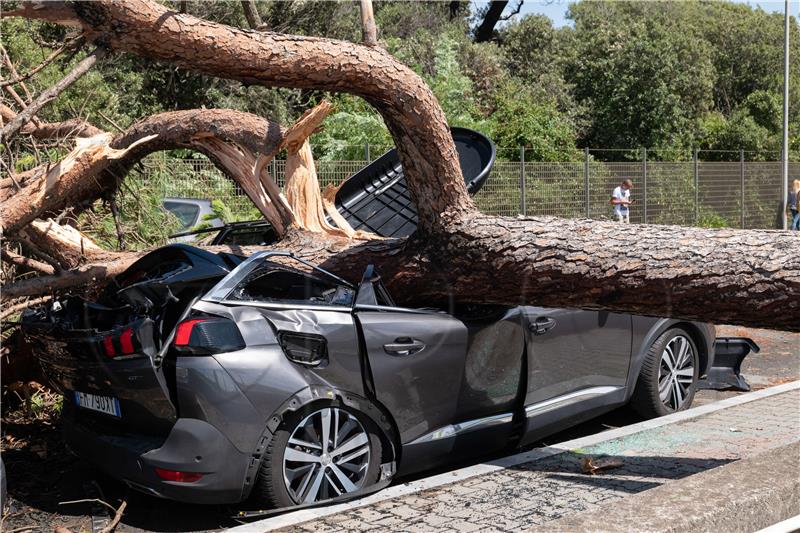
x=278, y=284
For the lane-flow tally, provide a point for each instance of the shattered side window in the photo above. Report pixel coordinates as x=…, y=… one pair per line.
x=275, y=283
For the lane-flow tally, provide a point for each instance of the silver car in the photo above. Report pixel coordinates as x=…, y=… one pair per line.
x=206, y=378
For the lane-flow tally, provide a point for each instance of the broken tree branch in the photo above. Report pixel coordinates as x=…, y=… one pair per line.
x=26, y=262
x=251, y=14
x=369, y=31
x=77, y=42
x=13, y=127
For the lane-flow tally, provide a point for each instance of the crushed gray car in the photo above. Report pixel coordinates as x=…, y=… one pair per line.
x=209, y=378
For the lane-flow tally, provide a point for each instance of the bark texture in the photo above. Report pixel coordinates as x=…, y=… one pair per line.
x=727, y=276
x=95, y=167
x=412, y=114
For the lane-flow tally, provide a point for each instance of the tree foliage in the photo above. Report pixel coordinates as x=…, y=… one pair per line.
x=666, y=75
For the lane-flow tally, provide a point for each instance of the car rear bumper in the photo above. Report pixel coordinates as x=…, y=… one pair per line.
x=191, y=446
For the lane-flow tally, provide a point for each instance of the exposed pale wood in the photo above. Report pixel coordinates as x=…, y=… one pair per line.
x=306, y=125
x=90, y=171
x=64, y=243
x=369, y=31
x=303, y=192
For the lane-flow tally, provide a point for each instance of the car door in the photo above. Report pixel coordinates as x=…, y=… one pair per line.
x=417, y=364
x=573, y=350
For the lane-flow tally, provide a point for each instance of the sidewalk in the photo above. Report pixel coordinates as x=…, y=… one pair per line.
x=546, y=484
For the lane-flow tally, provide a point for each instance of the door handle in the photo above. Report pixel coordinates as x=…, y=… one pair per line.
x=403, y=346
x=542, y=325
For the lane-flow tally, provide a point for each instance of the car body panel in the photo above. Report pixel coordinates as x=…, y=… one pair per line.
x=582, y=349
x=420, y=389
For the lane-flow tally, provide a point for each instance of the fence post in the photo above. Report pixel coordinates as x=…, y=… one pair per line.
x=523, y=208
x=741, y=175
x=586, y=179
x=366, y=152
x=644, y=184
x=696, y=188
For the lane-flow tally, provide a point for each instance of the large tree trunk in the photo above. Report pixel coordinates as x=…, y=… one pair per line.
x=742, y=277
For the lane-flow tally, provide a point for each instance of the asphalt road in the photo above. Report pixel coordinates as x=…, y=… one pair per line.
x=41, y=473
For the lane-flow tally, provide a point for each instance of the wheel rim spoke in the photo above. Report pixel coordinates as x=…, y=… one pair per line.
x=361, y=451
x=663, y=388
x=298, y=456
x=667, y=357
x=348, y=485
x=327, y=455
x=313, y=490
x=353, y=443
x=304, y=443
x=678, y=395
x=325, y=420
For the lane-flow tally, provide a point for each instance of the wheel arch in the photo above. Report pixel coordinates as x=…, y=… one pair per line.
x=313, y=396
x=703, y=348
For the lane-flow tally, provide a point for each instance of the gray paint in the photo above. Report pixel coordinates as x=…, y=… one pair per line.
x=420, y=390
x=457, y=387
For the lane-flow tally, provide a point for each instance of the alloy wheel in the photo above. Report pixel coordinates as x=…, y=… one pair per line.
x=676, y=372
x=327, y=455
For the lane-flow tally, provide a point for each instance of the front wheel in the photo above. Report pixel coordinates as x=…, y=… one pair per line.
x=668, y=378
x=318, y=454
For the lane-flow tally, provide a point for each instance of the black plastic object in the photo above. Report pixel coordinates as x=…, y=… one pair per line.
x=725, y=373
x=376, y=198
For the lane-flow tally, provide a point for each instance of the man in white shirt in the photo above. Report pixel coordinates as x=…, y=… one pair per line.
x=621, y=199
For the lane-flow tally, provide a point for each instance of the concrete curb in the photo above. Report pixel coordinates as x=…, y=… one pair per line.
x=743, y=496
x=397, y=491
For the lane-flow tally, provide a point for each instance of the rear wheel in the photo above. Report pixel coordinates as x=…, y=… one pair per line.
x=318, y=454
x=668, y=378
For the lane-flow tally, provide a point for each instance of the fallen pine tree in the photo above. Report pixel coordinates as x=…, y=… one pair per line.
x=727, y=276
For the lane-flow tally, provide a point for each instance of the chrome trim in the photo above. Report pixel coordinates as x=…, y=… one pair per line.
x=368, y=307
x=567, y=399
x=452, y=430
x=283, y=307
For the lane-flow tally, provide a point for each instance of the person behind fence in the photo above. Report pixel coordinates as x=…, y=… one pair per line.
x=621, y=200
x=793, y=202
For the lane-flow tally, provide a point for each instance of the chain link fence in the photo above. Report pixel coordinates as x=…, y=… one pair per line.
x=740, y=194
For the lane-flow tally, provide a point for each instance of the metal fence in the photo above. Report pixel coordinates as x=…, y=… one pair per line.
x=742, y=194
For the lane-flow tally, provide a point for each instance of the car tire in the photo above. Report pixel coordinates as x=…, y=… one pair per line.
x=664, y=386
x=283, y=482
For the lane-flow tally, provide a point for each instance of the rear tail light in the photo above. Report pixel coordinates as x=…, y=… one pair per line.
x=304, y=348
x=180, y=477
x=202, y=336
x=122, y=344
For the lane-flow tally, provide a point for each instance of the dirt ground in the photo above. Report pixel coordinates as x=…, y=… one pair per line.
x=43, y=475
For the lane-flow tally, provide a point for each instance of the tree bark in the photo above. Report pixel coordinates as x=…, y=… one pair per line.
x=52, y=130
x=729, y=276
x=369, y=31
x=13, y=127
x=410, y=110
x=95, y=170
x=250, y=13
x=485, y=30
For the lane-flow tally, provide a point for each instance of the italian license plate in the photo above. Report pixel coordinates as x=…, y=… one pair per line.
x=101, y=404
